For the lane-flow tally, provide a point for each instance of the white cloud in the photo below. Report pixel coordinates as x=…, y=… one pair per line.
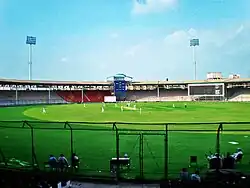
x=192, y=32
x=152, y=6
x=64, y=59
x=156, y=56
x=114, y=35
x=220, y=50
x=177, y=37
x=133, y=50
x=145, y=54
x=240, y=29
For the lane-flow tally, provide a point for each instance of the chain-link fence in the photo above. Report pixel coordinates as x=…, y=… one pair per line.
x=145, y=150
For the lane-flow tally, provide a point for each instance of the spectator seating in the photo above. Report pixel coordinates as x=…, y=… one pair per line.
x=42, y=97
x=174, y=95
x=88, y=96
x=28, y=97
x=164, y=95
x=239, y=95
x=142, y=95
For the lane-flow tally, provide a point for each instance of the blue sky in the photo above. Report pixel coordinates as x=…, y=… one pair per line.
x=94, y=39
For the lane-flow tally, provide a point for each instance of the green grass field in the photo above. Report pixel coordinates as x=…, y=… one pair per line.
x=96, y=147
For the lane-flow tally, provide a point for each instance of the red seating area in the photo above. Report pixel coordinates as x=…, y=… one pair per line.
x=88, y=96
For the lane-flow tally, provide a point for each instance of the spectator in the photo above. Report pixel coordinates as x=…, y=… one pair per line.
x=196, y=176
x=63, y=162
x=215, y=161
x=75, y=161
x=184, y=176
x=52, y=162
x=228, y=162
x=238, y=154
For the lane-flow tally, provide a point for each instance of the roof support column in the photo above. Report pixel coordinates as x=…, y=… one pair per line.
x=82, y=94
x=16, y=96
x=158, y=91
x=49, y=95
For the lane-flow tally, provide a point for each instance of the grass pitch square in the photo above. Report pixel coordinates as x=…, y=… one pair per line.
x=97, y=145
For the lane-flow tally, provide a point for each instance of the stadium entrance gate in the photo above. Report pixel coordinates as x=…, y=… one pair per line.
x=146, y=153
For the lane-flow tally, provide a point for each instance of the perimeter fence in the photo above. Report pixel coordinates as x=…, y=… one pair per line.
x=155, y=150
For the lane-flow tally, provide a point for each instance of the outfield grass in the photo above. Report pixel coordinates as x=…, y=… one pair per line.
x=95, y=148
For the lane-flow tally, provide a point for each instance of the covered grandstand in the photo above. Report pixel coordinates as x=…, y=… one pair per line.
x=22, y=92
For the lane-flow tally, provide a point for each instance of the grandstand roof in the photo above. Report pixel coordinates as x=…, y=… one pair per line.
x=103, y=83
x=239, y=80
x=46, y=82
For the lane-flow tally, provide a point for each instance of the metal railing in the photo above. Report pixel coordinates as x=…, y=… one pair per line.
x=30, y=102
x=158, y=146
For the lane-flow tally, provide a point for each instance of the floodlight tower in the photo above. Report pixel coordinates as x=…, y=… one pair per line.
x=30, y=41
x=194, y=43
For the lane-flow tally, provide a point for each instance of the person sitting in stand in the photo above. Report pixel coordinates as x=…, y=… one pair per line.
x=215, y=161
x=184, y=176
x=195, y=177
x=228, y=162
x=238, y=155
x=52, y=162
x=75, y=161
x=62, y=162
x=127, y=157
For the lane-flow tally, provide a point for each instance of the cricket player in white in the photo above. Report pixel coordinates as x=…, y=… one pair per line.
x=121, y=108
x=102, y=109
x=44, y=110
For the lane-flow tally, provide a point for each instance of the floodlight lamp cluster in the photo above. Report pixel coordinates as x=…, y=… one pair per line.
x=31, y=40
x=194, y=42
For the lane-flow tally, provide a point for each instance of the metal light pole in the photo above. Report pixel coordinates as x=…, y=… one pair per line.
x=194, y=43
x=30, y=41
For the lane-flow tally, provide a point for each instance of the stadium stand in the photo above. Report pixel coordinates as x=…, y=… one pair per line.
x=29, y=97
x=88, y=96
x=164, y=95
x=142, y=96
x=239, y=95
x=55, y=97
x=208, y=98
x=174, y=95
x=22, y=92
